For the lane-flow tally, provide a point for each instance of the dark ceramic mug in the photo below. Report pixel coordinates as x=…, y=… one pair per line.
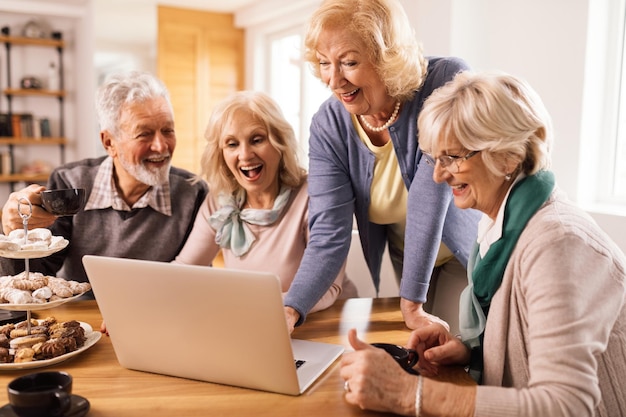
x=406, y=358
x=65, y=202
x=41, y=394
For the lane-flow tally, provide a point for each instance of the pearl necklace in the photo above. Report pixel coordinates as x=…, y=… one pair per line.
x=387, y=123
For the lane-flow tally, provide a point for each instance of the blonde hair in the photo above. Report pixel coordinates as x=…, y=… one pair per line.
x=388, y=37
x=280, y=134
x=495, y=113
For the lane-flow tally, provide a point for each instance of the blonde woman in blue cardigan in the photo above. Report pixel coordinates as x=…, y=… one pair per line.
x=365, y=162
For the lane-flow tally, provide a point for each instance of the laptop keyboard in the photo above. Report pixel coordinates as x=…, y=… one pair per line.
x=299, y=363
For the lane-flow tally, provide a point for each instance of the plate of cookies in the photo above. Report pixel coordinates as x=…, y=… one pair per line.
x=39, y=243
x=49, y=343
x=38, y=306
x=38, y=291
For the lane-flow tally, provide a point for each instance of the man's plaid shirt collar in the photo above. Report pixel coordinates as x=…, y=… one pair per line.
x=104, y=194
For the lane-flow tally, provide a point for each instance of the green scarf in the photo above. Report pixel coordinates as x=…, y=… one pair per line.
x=485, y=275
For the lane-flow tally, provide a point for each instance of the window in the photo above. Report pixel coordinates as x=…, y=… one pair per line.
x=602, y=179
x=285, y=77
x=292, y=84
x=618, y=191
x=275, y=65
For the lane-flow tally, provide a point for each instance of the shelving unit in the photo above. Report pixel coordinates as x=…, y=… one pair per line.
x=11, y=93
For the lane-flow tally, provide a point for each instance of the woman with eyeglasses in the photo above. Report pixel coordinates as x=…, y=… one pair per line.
x=365, y=163
x=543, y=319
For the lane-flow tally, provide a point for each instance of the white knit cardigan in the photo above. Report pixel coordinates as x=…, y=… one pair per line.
x=555, y=341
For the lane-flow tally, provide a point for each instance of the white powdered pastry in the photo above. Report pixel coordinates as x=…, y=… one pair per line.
x=15, y=296
x=56, y=242
x=39, y=239
x=39, y=234
x=43, y=293
x=35, y=246
x=8, y=245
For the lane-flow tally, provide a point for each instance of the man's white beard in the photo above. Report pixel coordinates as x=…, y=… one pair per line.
x=145, y=175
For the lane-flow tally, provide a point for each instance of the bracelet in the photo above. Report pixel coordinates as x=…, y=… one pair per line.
x=418, y=396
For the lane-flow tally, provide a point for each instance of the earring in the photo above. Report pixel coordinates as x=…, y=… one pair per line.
x=507, y=177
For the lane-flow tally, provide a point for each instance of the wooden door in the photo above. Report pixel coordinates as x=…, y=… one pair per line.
x=200, y=57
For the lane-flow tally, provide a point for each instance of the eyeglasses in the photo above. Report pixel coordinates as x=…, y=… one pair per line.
x=446, y=161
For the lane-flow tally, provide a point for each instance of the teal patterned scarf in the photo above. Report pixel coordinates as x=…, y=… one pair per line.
x=230, y=221
x=485, y=275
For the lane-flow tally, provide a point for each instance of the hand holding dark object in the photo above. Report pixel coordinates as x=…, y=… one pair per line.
x=406, y=358
x=375, y=381
x=436, y=346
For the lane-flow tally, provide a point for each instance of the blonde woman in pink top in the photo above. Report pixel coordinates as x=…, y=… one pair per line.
x=256, y=212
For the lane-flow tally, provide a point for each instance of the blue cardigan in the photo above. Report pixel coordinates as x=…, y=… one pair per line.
x=341, y=169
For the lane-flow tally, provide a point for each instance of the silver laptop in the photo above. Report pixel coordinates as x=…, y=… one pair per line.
x=210, y=324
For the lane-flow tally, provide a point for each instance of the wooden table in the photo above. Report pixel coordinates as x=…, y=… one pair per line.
x=116, y=391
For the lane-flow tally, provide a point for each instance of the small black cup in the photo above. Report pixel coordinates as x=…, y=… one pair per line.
x=65, y=202
x=42, y=394
x=406, y=358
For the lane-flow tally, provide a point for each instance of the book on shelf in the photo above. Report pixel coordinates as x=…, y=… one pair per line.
x=24, y=125
x=16, y=125
x=6, y=168
x=5, y=125
x=44, y=127
x=37, y=128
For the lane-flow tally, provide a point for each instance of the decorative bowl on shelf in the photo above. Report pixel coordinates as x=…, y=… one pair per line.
x=30, y=83
x=34, y=29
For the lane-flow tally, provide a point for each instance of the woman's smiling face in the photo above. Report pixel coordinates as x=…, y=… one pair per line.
x=249, y=154
x=474, y=185
x=347, y=70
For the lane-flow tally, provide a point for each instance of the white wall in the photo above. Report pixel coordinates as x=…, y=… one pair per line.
x=543, y=41
x=133, y=47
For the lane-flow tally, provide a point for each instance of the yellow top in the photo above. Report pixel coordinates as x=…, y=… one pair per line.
x=388, y=195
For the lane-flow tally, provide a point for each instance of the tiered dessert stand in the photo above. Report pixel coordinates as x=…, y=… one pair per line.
x=25, y=211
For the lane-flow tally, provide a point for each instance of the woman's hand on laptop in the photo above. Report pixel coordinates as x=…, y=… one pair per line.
x=292, y=317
